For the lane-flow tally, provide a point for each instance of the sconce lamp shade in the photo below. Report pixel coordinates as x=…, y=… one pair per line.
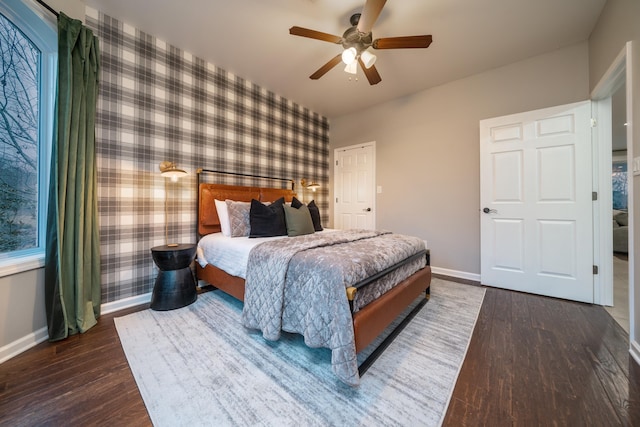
x=313, y=186
x=169, y=170
x=368, y=58
x=349, y=55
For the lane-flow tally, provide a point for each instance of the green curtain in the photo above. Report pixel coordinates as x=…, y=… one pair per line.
x=72, y=268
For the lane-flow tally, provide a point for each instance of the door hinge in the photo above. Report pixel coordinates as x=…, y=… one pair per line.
x=594, y=122
x=595, y=269
x=336, y=200
x=594, y=195
x=336, y=162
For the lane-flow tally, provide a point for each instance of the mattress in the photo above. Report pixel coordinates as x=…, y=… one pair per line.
x=231, y=254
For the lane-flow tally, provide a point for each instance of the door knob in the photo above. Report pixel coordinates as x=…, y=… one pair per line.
x=487, y=210
x=367, y=210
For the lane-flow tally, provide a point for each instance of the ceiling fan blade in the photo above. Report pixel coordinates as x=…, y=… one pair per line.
x=402, y=42
x=371, y=73
x=369, y=16
x=313, y=34
x=326, y=67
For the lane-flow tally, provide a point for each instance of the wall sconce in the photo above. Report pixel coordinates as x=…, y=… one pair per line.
x=313, y=186
x=169, y=170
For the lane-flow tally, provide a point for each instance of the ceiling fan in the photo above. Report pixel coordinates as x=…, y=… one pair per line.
x=356, y=41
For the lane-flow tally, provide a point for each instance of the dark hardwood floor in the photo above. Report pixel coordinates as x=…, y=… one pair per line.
x=81, y=381
x=532, y=361
x=538, y=361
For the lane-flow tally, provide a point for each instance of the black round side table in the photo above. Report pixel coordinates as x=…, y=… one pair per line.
x=175, y=285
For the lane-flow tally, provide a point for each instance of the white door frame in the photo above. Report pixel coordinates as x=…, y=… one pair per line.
x=619, y=72
x=602, y=213
x=371, y=144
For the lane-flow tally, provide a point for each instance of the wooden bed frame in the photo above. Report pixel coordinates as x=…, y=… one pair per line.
x=368, y=323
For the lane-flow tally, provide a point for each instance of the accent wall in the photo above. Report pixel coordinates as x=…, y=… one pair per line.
x=158, y=102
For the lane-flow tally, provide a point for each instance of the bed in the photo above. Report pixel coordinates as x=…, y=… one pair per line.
x=369, y=317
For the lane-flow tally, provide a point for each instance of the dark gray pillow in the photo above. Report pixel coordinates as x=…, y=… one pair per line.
x=313, y=210
x=267, y=221
x=298, y=221
x=315, y=215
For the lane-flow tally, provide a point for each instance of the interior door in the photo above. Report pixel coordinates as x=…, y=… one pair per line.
x=536, y=202
x=354, y=190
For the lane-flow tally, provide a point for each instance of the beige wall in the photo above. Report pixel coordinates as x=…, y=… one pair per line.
x=618, y=24
x=72, y=8
x=428, y=159
x=22, y=309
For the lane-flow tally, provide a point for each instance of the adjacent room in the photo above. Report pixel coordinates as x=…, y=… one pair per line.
x=323, y=212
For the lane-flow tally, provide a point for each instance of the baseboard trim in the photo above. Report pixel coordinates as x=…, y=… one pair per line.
x=23, y=344
x=456, y=273
x=121, y=304
x=634, y=350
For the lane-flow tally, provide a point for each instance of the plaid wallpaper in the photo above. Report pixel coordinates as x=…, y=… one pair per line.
x=158, y=103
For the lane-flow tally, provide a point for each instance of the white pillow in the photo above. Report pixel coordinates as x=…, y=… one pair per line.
x=223, y=215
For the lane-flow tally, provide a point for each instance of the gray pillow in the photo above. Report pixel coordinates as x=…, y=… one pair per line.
x=298, y=220
x=239, y=218
x=622, y=218
x=313, y=210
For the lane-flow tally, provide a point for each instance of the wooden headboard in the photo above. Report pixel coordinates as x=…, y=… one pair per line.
x=208, y=221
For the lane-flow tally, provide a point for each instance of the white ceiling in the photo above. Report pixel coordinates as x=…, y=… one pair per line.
x=250, y=38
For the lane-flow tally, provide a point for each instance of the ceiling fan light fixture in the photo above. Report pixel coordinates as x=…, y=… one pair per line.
x=357, y=39
x=349, y=55
x=368, y=58
x=352, y=68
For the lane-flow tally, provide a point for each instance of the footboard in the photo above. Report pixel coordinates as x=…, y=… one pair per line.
x=353, y=290
x=375, y=317
x=370, y=321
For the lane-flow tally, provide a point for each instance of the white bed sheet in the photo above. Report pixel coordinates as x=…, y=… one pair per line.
x=230, y=254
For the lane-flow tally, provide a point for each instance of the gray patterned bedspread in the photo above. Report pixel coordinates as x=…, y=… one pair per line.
x=298, y=285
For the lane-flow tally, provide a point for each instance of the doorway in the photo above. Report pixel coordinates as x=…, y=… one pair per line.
x=620, y=213
x=611, y=89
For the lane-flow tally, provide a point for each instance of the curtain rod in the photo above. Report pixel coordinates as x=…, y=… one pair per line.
x=49, y=8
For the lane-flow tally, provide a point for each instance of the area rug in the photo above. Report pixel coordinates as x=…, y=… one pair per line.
x=199, y=366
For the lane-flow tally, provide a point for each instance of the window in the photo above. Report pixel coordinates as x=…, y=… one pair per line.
x=28, y=51
x=619, y=185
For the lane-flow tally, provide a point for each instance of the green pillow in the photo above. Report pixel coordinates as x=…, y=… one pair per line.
x=298, y=220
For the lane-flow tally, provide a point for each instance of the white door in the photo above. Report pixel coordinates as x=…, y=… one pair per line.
x=354, y=189
x=536, y=202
